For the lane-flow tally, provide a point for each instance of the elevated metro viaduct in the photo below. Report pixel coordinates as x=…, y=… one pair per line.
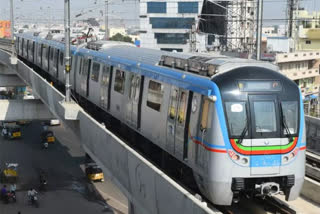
x=149, y=190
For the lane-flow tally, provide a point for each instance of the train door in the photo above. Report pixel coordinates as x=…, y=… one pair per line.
x=265, y=133
x=32, y=52
x=85, y=75
x=20, y=46
x=105, y=87
x=55, y=65
x=51, y=61
x=177, y=122
x=60, y=73
x=133, y=100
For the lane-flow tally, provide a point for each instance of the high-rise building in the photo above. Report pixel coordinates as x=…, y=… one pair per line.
x=197, y=25
x=167, y=25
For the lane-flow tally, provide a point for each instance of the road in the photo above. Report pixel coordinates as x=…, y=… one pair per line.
x=68, y=190
x=108, y=191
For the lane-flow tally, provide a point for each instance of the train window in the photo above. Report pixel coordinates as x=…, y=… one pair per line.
x=56, y=56
x=32, y=47
x=155, y=95
x=61, y=58
x=173, y=103
x=236, y=117
x=105, y=75
x=119, y=81
x=290, y=117
x=182, y=107
x=204, y=116
x=95, y=71
x=132, y=87
x=39, y=50
x=137, y=83
x=85, y=67
x=135, y=86
x=265, y=116
x=51, y=53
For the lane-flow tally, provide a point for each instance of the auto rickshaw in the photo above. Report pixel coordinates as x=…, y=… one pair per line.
x=10, y=173
x=13, y=131
x=47, y=136
x=94, y=172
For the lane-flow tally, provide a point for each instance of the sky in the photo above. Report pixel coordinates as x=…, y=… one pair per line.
x=124, y=10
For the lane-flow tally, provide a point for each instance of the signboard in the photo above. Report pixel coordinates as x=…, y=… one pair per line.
x=5, y=31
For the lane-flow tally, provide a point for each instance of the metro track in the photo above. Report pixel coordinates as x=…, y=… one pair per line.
x=313, y=165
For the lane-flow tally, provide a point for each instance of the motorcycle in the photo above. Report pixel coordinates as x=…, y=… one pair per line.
x=43, y=185
x=45, y=145
x=34, y=201
x=11, y=197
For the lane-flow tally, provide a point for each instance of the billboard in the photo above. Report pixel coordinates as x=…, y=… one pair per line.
x=5, y=31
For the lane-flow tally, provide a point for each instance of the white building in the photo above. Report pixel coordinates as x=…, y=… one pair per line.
x=166, y=25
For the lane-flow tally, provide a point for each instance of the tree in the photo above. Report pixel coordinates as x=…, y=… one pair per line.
x=121, y=38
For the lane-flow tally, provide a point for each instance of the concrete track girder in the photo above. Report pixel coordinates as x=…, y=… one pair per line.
x=12, y=110
x=10, y=81
x=147, y=188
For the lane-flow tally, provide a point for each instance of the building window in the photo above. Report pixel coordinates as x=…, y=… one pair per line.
x=155, y=95
x=187, y=7
x=308, y=42
x=172, y=23
x=171, y=38
x=95, y=71
x=119, y=82
x=156, y=7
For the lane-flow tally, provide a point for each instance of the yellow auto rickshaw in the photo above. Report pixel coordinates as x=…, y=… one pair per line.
x=47, y=136
x=94, y=172
x=13, y=131
x=10, y=173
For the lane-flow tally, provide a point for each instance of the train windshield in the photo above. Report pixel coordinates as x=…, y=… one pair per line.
x=290, y=117
x=265, y=117
x=237, y=117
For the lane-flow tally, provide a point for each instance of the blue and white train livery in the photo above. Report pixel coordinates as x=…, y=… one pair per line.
x=238, y=124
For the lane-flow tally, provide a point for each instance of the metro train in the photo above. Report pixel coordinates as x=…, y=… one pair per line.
x=237, y=123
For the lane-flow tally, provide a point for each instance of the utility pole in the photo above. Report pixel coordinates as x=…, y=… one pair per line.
x=106, y=36
x=67, y=47
x=291, y=4
x=13, y=57
x=259, y=28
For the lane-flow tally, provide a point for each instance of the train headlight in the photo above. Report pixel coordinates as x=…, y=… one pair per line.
x=244, y=160
x=291, y=155
x=285, y=159
x=236, y=157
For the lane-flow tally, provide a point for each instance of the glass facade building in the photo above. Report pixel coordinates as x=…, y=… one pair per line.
x=166, y=25
x=188, y=7
x=172, y=23
x=156, y=7
x=172, y=38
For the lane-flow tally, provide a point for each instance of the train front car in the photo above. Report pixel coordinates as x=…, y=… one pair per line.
x=262, y=127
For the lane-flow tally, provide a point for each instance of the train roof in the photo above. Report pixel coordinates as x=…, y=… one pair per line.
x=199, y=63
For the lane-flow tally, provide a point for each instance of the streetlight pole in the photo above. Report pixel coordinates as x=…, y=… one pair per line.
x=13, y=57
x=259, y=28
x=67, y=47
x=106, y=36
